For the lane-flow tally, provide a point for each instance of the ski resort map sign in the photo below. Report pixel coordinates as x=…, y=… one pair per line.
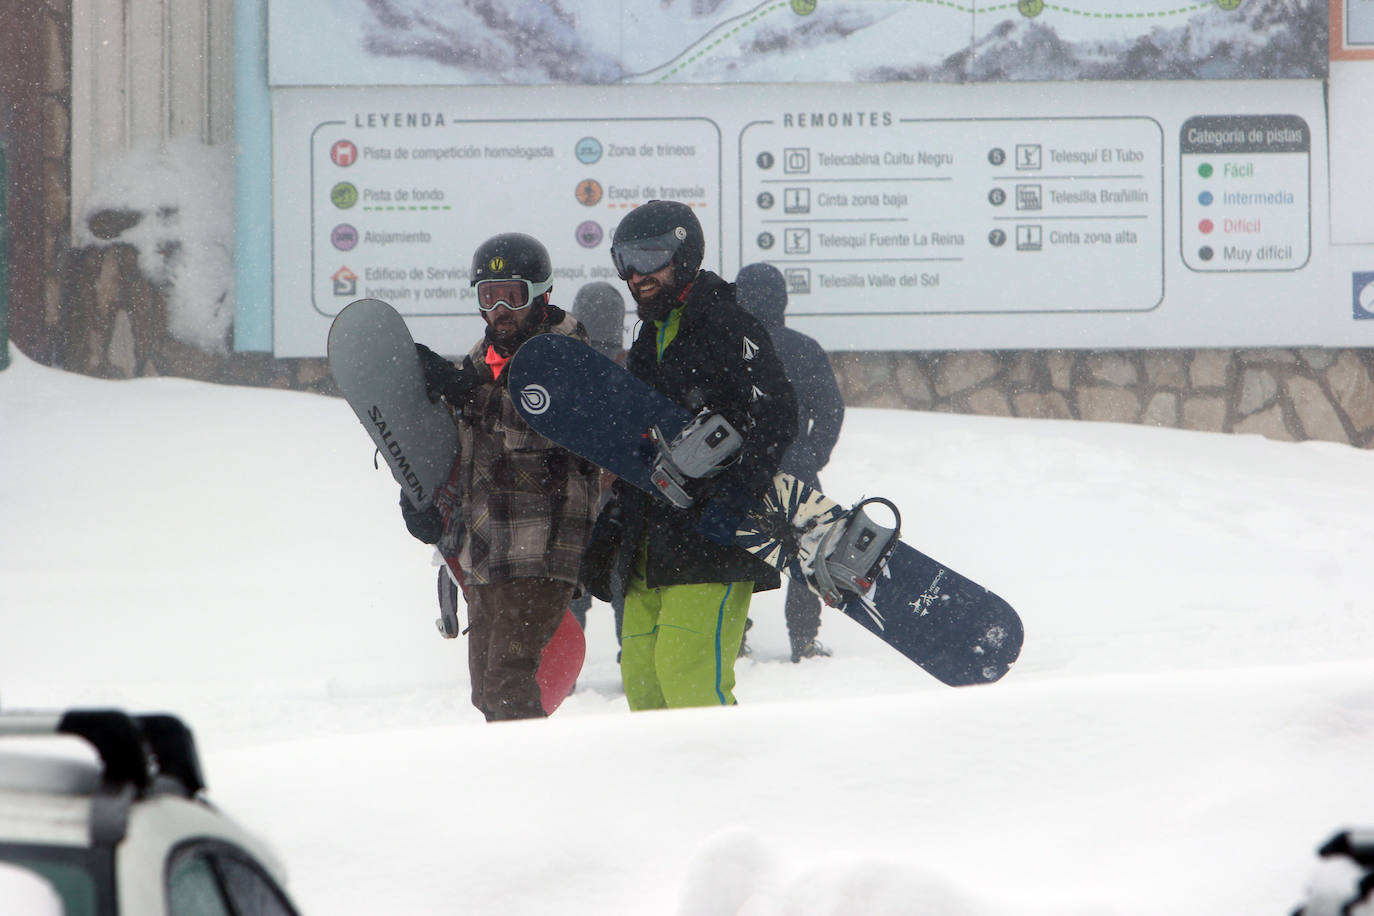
x=714, y=42
x=926, y=176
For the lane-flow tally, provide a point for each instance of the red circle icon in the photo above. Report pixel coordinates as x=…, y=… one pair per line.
x=343, y=153
x=1206, y=226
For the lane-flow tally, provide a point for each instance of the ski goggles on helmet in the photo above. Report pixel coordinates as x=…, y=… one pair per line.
x=644, y=256
x=513, y=294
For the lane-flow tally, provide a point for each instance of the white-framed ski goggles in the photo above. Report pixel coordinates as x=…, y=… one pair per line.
x=644, y=256
x=513, y=294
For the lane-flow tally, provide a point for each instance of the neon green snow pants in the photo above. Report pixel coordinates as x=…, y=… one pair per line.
x=679, y=643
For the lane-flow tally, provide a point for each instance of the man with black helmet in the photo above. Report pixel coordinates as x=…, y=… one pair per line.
x=524, y=506
x=688, y=593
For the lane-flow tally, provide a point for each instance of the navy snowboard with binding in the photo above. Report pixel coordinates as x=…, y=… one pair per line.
x=951, y=626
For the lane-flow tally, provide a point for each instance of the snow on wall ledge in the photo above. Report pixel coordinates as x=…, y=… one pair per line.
x=170, y=202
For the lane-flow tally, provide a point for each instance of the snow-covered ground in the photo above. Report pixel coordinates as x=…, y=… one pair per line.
x=1193, y=712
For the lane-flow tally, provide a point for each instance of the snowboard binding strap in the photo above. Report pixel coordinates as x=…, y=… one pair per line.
x=705, y=447
x=852, y=553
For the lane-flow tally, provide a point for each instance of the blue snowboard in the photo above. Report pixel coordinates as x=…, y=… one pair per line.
x=951, y=626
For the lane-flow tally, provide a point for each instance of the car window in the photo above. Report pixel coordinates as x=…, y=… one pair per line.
x=193, y=889
x=252, y=891
x=215, y=879
x=76, y=875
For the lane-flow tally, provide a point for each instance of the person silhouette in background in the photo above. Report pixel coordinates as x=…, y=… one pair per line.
x=601, y=309
x=761, y=290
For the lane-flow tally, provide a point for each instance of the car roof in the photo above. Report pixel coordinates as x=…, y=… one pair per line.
x=70, y=778
x=48, y=818
x=60, y=765
x=133, y=750
x=46, y=787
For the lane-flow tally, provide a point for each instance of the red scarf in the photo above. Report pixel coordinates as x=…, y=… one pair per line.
x=495, y=361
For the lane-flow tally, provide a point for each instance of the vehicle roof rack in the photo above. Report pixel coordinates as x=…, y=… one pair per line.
x=134, y=749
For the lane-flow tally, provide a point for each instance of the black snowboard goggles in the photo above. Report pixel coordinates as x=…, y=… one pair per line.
x=513, y=294
x=644, y=256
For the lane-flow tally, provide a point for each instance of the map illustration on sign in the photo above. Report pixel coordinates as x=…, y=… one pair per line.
x=594, y=42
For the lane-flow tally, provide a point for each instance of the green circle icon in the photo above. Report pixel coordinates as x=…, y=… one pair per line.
x=1030, y=8
x=803, y=7
x=343, y=195
x=1228, y=4
x=1205, y=170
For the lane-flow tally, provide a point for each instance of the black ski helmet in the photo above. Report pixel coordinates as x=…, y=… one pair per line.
x=667, y=224
x=513, y=256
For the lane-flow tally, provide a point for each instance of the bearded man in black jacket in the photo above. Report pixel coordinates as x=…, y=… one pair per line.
x=687, y=588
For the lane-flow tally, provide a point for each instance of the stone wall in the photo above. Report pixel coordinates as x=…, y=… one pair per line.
x=113, y=325
x=1287, y=394
x=35, y=128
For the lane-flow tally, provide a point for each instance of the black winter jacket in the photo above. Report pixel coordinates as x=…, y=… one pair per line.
x=721, y=358
x=762, y=292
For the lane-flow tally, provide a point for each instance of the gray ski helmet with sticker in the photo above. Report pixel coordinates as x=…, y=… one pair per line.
x=666, y=224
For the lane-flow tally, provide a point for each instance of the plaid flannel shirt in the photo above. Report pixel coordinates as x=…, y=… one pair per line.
x=527, y=504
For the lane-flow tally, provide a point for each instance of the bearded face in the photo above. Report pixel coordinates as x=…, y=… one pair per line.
x=508, y=328
x=655, y=294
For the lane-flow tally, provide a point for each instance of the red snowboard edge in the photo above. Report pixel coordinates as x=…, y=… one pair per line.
x=561, y=663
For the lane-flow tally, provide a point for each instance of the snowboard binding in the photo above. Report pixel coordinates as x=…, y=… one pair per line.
x=845, y=557
x=705, y=447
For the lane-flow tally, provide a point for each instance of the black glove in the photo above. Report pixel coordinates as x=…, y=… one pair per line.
x=724, y=500
x=599, y=559
x=741, y=482
x=425, y=525
x=443, y=379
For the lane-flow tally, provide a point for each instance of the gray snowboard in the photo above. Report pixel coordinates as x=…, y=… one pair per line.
x=373, y=360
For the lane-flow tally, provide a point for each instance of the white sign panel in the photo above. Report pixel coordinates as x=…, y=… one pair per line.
x=960, y=216
x=405, y=186
x=1245, y=202
x=905, y=216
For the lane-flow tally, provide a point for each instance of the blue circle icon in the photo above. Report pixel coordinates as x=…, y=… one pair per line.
x=588, y=150
x=1205, y=198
